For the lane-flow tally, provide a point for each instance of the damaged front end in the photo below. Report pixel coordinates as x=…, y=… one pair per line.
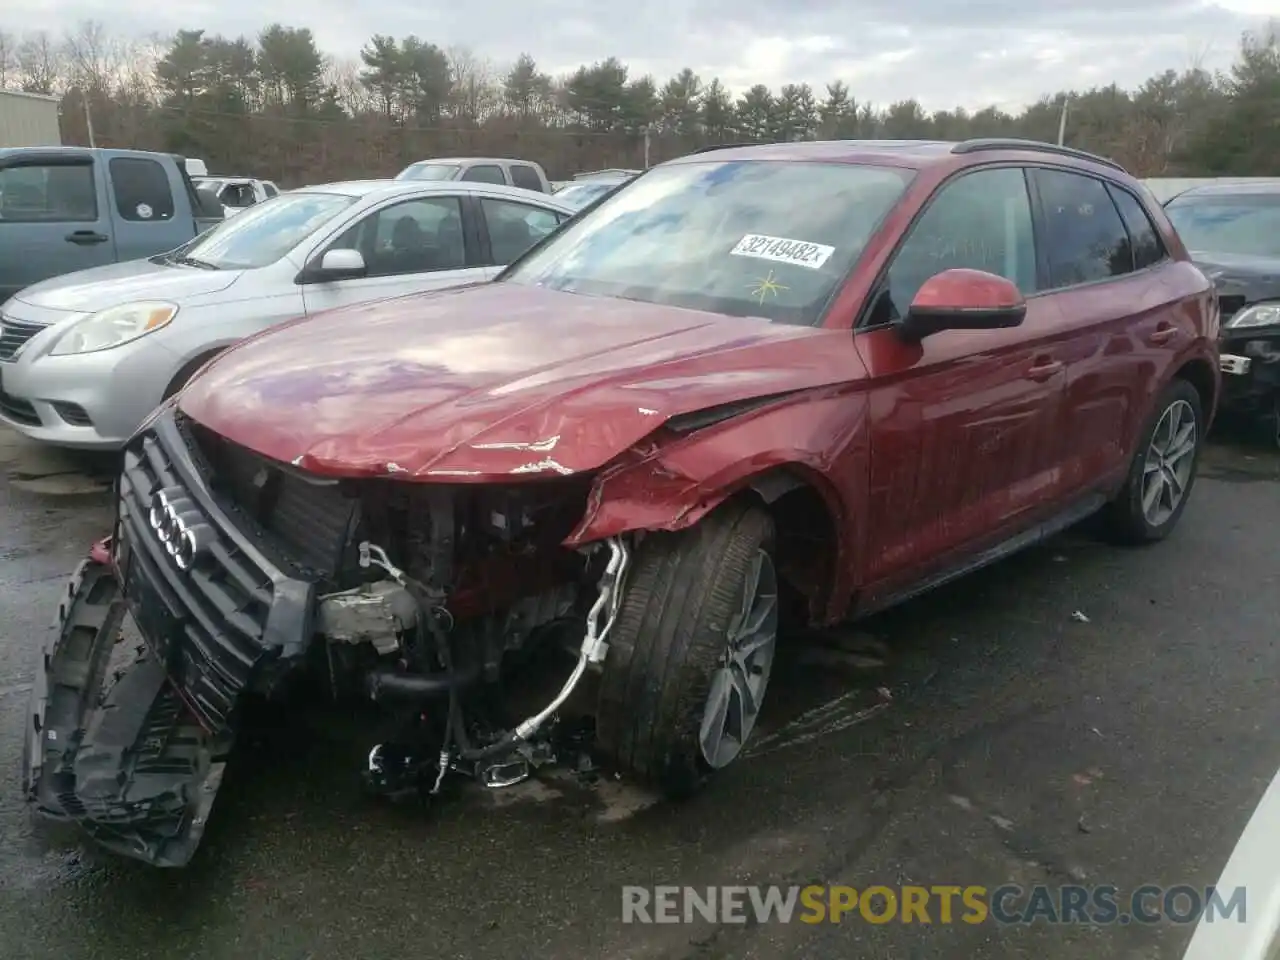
x=1250, y=355
x=109, y=744
x=246, y=578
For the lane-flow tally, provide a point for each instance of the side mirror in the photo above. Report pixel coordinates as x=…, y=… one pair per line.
x=335, y=265
x=962, y=299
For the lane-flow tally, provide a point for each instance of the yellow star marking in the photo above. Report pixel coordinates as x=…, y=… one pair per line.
x=761, y=288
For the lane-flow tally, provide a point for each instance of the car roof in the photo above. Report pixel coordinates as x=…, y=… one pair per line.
x=473, y=160
x=1258, y=187
x=912, y=154
x=376, y=190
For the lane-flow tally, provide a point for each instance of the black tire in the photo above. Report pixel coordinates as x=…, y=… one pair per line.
x=680, y=596
x=1123, y=519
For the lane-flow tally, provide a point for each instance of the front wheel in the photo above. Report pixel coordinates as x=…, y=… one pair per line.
x=1163, y=470
x=692, y=650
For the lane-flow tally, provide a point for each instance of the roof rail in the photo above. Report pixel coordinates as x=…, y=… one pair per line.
x=727, y=146
x=980, y=144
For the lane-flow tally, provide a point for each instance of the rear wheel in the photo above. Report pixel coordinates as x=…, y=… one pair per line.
x=1163, y=470
x=692, y=650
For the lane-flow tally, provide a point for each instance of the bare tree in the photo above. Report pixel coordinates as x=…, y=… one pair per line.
x=41, y=64
x=475, y=93
x=136, y=74
x=344, y=76
x=94, y=57
x=8, y=59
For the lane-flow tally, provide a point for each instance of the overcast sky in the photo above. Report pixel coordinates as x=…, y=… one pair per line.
x=943, y=52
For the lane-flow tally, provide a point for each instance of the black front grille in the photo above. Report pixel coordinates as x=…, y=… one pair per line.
x=215, y=622
x=305, y=521
x=14, y=333
x=18, y=410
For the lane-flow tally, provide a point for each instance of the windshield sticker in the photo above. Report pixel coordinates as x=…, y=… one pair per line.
x=782, y=250
x=762, y=287
x=143, y=211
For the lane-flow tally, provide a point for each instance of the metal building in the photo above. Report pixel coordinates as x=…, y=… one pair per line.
x=28, y=120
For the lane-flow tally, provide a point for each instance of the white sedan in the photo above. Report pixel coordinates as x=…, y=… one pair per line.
x=86, y=356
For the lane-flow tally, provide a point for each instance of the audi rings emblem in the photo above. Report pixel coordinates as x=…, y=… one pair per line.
x=180, y=526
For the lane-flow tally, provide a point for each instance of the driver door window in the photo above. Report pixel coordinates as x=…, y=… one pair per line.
x=415, y=236
x=981, y=221
x=409, y=247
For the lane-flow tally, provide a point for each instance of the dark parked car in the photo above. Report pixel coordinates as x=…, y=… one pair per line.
x=801, y=380
x=1233, y=232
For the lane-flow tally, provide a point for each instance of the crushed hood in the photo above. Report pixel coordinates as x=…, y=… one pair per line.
x=98, y=288
x=499, y=380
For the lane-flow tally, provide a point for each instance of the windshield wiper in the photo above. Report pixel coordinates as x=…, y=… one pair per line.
x=193, y=262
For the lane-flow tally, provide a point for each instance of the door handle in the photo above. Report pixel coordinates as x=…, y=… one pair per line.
x=86, y=237
x=1163, y=334
x=1044, y=369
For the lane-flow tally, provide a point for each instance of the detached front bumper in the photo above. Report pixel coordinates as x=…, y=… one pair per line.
x=132, y=748
x=130, y=766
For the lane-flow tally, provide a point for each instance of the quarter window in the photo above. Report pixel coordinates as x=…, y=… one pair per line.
x=1147, y=247
x=485, y=173
x=141, y=189
x=981, y=221
x=523, y=175
x=415, y=236
x=1085, y=239
x=56, y=193
x=515, y=227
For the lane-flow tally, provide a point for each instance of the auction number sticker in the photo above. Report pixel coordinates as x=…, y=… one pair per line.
x=781, y=250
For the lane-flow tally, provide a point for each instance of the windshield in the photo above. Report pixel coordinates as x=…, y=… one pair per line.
x=580, y=194
x=748, y=238
x=1242, y=225
x=266, y=232
x=428, y=171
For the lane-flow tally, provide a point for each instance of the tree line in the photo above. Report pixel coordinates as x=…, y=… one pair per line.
x=277, y=106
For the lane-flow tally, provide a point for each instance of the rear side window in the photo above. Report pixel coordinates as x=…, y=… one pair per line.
x=1148, y=249
x=523, y=175
x=270, y=189
x=1084, y=238
x=141, y=189
x=485, y=173
x=56, y=193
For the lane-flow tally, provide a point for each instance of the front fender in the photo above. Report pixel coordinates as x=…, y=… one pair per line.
x=817, y=439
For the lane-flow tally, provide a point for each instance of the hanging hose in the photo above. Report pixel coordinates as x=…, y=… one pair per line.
x=593, y=650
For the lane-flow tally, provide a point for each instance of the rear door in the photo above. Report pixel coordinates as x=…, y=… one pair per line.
x=408, y=246
x=508, y=228
x=1108, y=285
x=52, y=218
x=963, y=425
x=145, y=215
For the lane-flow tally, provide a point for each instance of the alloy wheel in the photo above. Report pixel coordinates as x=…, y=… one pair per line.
x=1166, y=471
x=738, y=685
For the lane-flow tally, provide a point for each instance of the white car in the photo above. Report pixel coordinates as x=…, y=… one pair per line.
x=86, y=356
x=237, y=193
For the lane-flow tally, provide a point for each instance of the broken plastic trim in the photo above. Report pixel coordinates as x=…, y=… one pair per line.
x=710, y=416
x=133, y=768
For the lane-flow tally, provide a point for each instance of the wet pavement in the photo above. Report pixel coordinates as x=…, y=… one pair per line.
x=983, y=735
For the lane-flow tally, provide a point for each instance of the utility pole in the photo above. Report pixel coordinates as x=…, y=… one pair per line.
x=1062, y=120
x=88, y=116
